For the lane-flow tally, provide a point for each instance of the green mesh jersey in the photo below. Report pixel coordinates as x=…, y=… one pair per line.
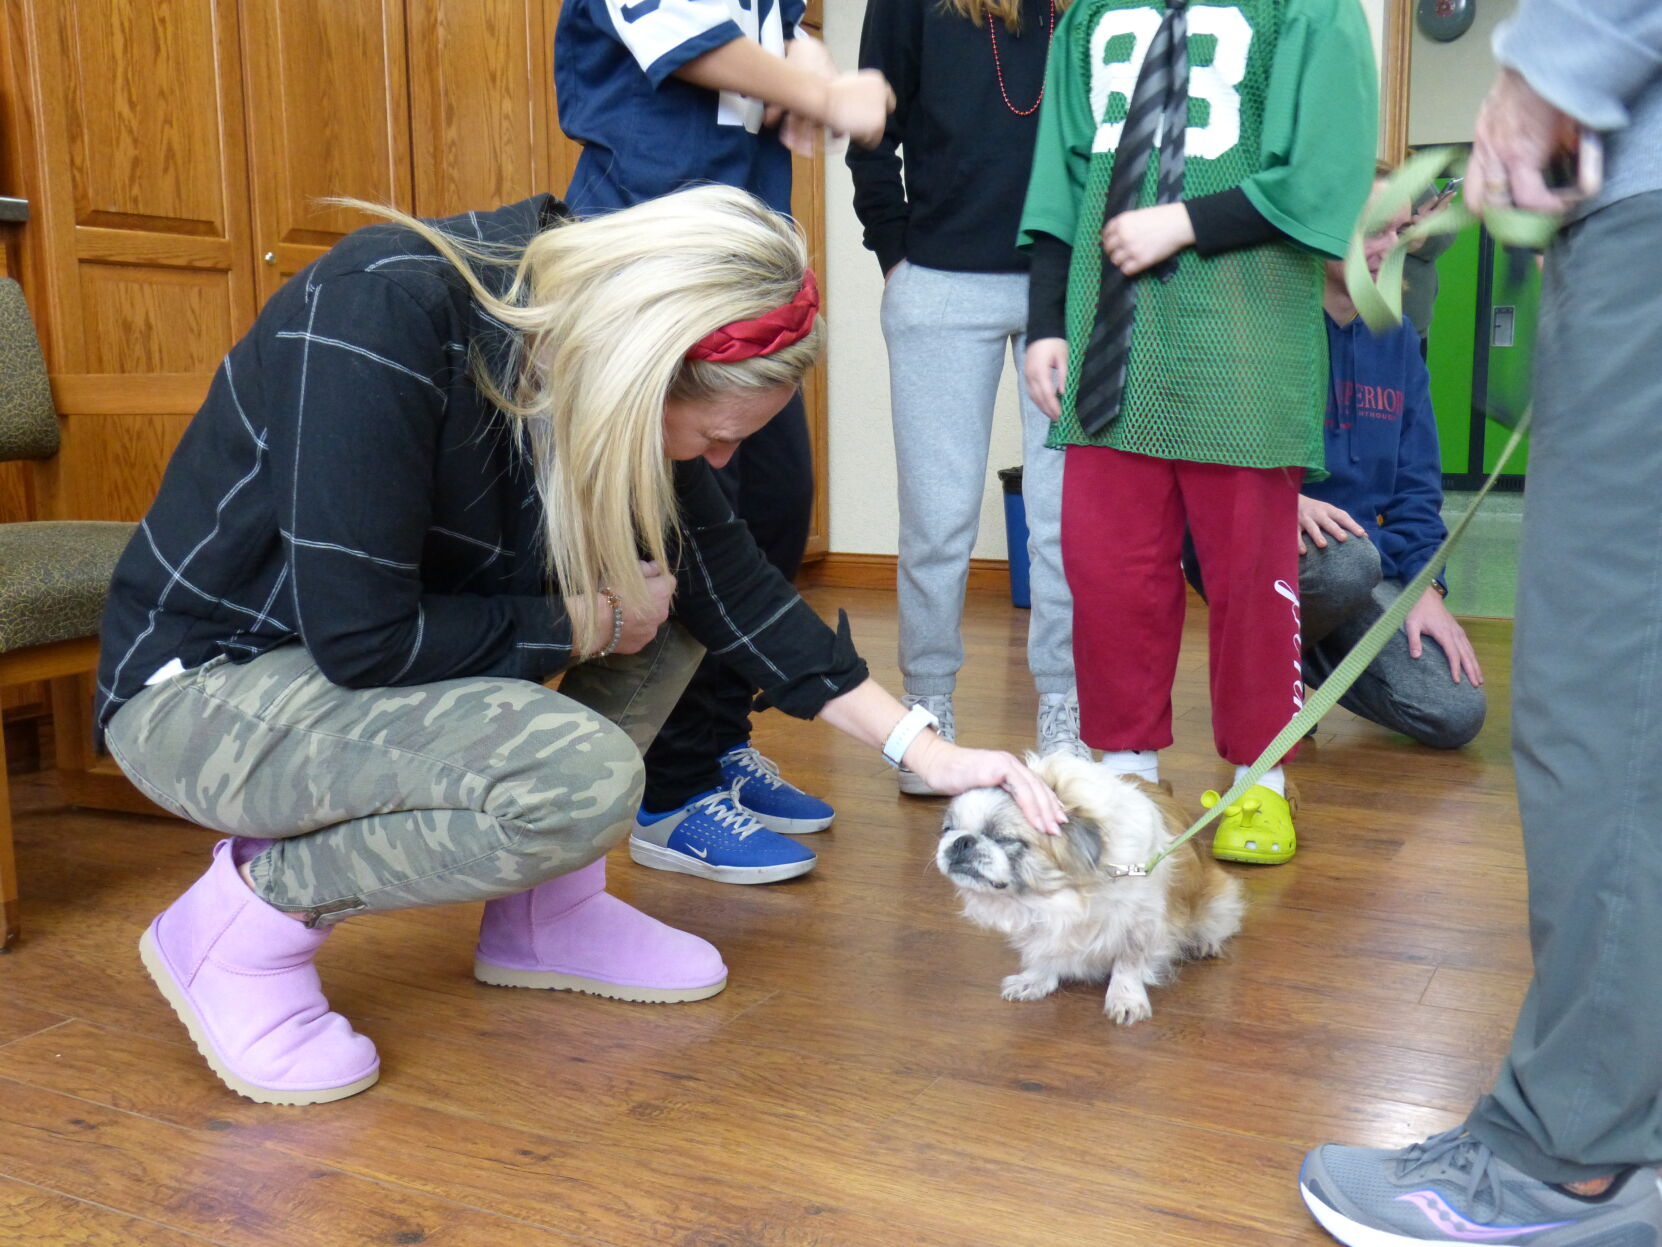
x=1229, y=358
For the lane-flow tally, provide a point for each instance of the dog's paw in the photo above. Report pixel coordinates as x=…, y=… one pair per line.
x=1028, y=985
x=1127, y=1005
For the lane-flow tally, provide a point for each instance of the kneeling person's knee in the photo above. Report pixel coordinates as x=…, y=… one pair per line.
x=1458, y=723
x=576, y=787
x=1343, y=571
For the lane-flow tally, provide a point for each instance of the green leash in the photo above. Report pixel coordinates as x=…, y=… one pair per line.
x=1379, y=303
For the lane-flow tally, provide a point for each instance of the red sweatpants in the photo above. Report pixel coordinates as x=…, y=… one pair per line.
x=1123, y=517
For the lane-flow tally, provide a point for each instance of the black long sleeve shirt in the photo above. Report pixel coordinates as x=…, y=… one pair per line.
x=945, y=187
x=346, y=485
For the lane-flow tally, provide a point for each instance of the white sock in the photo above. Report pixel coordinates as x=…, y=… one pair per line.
x=1142, y=763
x=1274, y=779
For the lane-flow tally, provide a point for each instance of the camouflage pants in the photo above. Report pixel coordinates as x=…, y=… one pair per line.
x=390, y=798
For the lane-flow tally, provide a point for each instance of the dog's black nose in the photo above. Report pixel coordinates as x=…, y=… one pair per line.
x=960, y=849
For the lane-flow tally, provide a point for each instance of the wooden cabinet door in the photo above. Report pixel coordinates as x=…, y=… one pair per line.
x=328, y=114
x=480, y=71
x=482, y=114
x=138, y=269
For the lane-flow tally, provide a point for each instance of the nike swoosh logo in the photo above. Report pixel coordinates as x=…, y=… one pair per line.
x=638, y=10
x=698, y=852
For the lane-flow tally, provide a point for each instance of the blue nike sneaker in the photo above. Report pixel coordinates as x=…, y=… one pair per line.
x=714, y=837
x=770, y=800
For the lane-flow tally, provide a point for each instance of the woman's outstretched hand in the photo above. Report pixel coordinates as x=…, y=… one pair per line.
x=869, y=714
x=949, y=768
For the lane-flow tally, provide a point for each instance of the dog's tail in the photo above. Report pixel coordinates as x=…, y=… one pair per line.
x=1219, y=906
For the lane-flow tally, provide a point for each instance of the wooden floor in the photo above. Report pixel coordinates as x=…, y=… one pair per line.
x=859, y=1083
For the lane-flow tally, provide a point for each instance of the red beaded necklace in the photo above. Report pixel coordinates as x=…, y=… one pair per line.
x=999, y=69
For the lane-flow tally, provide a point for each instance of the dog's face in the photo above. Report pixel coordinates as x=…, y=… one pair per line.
x=987, y=846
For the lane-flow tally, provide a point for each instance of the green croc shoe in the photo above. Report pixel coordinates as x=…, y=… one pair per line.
x=1257, y=829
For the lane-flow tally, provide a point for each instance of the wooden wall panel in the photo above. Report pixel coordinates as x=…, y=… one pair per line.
x=477, y=80
x=1394, y=76
x=157, y=175
x=328, y=114
x=145, y=320
x=138, y=160
x=808, y=207
x=111, y=466
x=140, y=226
x=16, y=500
x=16, y=493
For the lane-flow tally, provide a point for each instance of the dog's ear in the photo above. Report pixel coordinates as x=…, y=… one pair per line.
x=1085, y=838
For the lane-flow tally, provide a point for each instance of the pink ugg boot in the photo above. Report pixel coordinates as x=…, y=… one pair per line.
x=569, y=934
x=239, y=975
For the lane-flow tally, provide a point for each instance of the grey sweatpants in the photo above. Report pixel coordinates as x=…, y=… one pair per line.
x=1581, y=1090
x=1341, y=594
x=947, y=335
x=389, y=798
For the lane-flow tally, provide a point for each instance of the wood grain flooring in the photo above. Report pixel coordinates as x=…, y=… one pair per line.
x=859, y=1083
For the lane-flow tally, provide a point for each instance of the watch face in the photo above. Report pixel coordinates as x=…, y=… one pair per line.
x=1444, y=20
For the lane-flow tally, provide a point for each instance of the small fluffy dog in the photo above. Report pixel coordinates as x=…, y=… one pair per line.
x=1062, y=910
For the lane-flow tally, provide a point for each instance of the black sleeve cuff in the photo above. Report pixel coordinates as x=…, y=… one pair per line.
x=835, y=672
x=890, y=246
x=1047, y=291
x=1228, y=221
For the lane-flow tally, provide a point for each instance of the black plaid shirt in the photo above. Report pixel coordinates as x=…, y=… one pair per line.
x=347, y=486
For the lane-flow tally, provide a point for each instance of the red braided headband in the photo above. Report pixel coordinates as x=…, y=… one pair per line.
x=746, y=339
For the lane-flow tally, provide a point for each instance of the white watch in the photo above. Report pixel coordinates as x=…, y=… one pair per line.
x=906, y=731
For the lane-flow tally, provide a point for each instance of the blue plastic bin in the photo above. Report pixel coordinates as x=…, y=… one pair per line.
x=1015, y=534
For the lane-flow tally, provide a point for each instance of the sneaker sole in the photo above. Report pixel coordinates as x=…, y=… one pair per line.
x=660, y=858
x=549, y=980
x=1355, y=1234
x=1250, y=857
x=156, y=966
x=790, y=826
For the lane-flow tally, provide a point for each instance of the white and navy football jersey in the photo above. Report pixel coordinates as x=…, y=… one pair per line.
x=646, y=133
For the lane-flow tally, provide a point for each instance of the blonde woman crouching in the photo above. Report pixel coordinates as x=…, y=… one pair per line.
x=329, y=638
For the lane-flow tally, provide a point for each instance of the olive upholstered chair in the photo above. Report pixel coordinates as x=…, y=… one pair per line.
x=53, y=579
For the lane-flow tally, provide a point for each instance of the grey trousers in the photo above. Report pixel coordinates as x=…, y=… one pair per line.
x=1341, y=594
x=947, y=335
x=389, y=798
x=1581, y=1090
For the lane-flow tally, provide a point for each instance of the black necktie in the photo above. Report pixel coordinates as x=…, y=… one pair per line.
x=1159, y=105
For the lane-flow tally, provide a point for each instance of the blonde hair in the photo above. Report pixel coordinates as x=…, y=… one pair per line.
x=1007, y=11
x=602, y=313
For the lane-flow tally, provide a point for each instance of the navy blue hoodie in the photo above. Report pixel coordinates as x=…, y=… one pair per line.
x=1383, y=461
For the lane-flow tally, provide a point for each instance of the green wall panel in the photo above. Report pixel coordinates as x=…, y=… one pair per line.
x=1450, y=356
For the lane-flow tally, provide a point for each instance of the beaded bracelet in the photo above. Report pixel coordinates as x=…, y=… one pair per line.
x=617, y=622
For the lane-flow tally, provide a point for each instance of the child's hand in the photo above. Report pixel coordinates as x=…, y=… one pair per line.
x=1431, y=618
x=1138, y=240
x=859, y=105
x=1314, y=517
x=1046, y=371
x=801, y=134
